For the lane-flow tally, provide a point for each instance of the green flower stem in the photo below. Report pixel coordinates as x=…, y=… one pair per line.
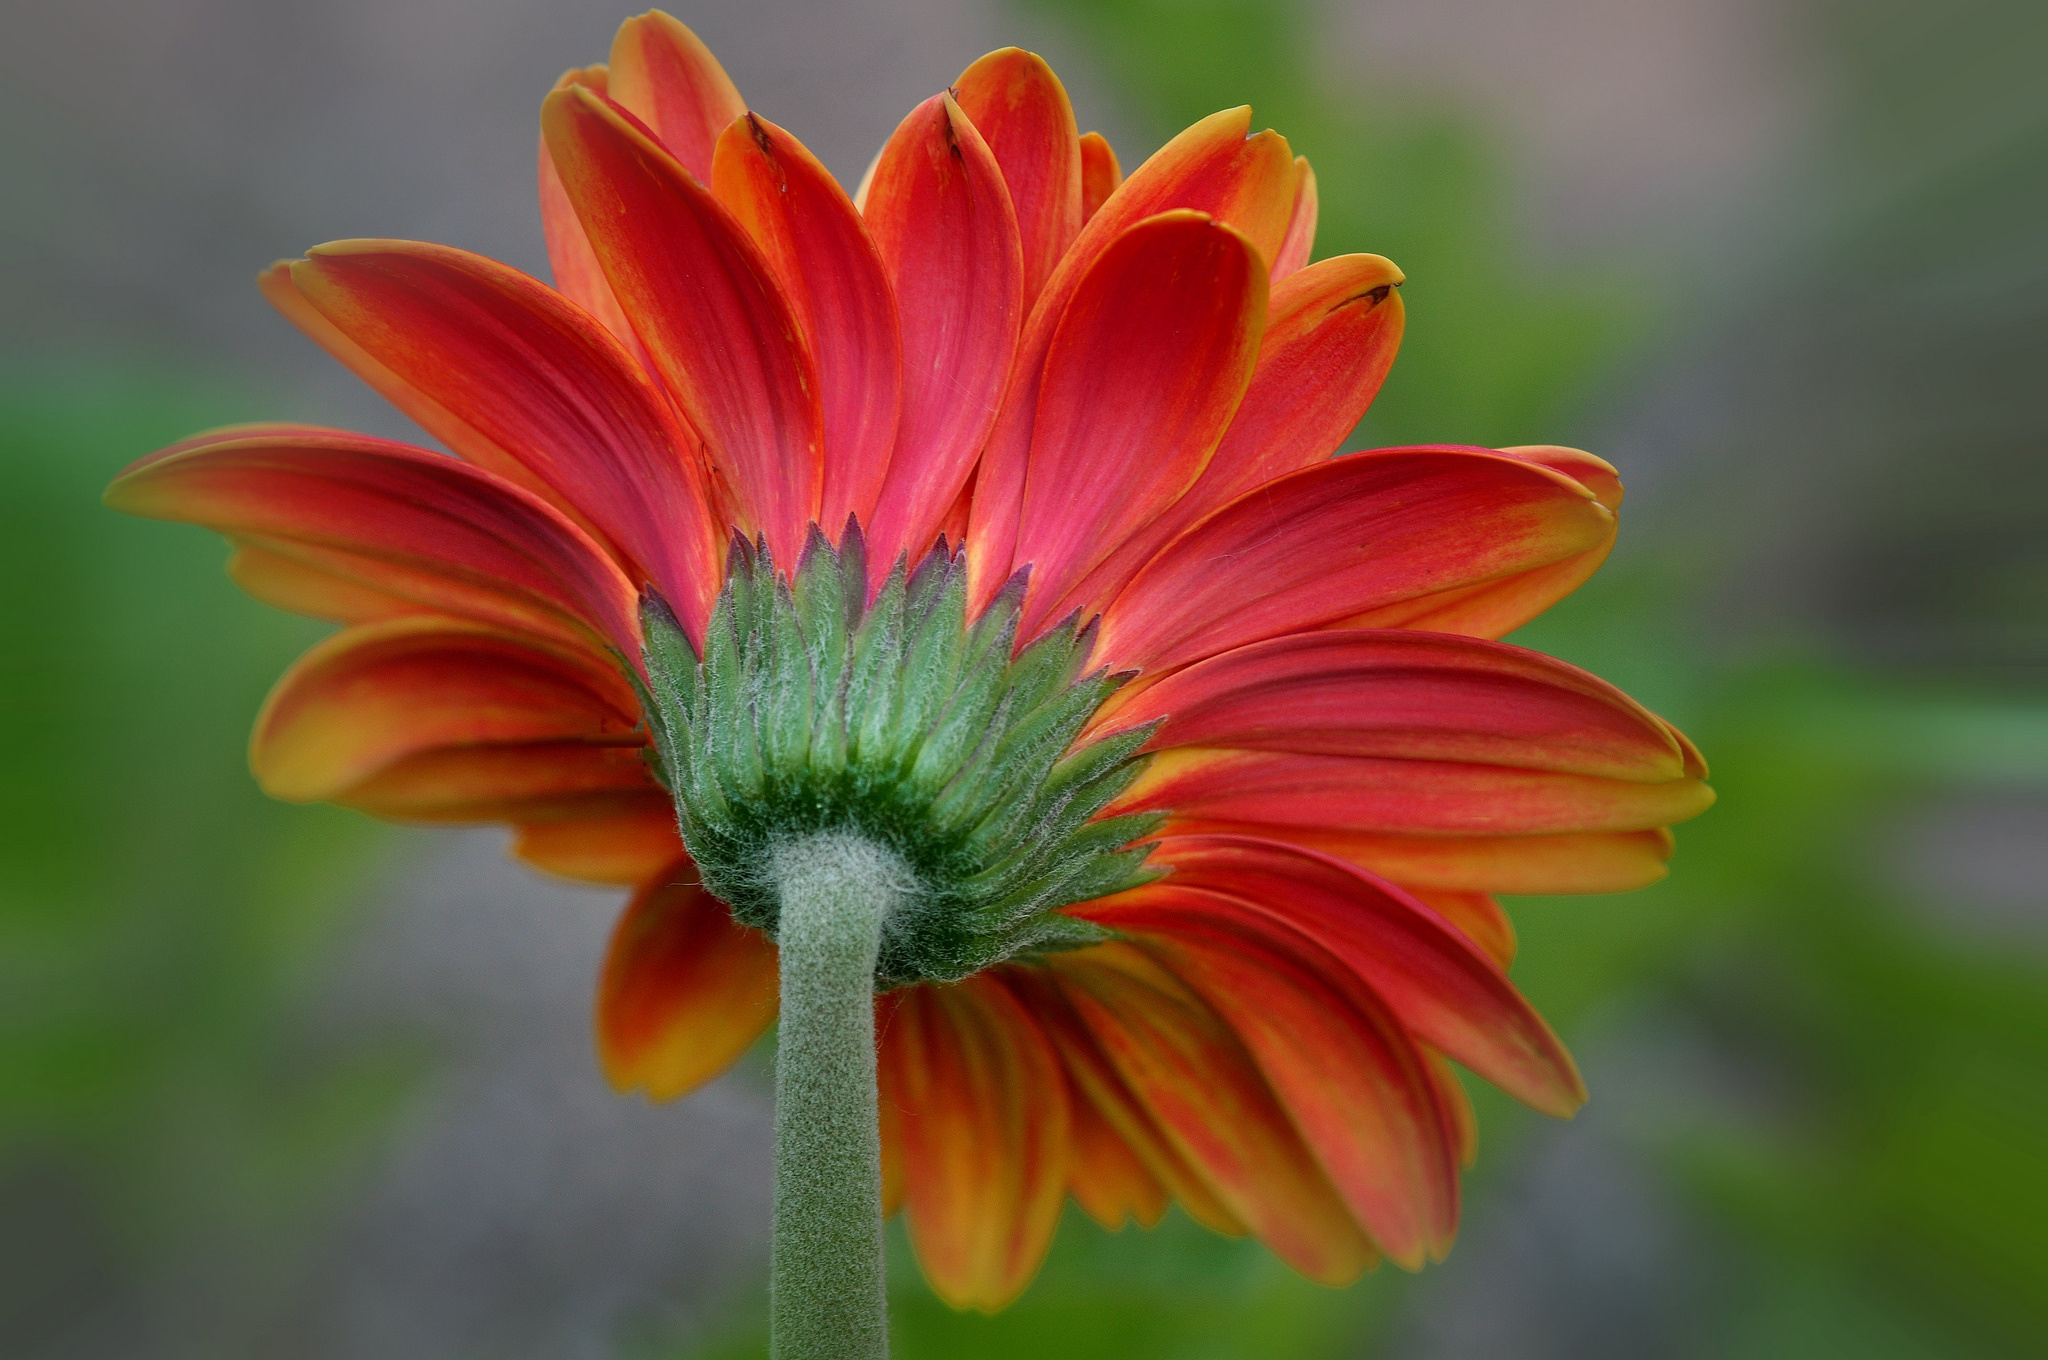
x=827, y=1299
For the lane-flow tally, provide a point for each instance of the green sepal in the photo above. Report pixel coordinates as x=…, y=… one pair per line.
x=812, y=709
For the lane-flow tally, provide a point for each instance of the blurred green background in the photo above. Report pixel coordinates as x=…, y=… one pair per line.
x=276, y=1081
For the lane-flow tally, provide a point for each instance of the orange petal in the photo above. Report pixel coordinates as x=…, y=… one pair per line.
x=1356, y=1086
x=553, y=392
x=943, y=221
x=1021, y=110
x=1207, y=1095
x=828, y=268
x=286, y=583
x=624, y=840
x=1396, y=694
x=1457, y=1107
x=1300, y=240
x=667, y=78
x=1498, y=607
x=1477, y=916
x=1442, y=987
x=1246, y=183
x=1331, y=333
x=1107, y=1178
x=1099, y=1094
x=981, y=1110
x=1601, y=862
x=705, y=303
x=1100, y=173
x=1142, y=378
x=1402, y=797
x=1329, y=542
x=377, y=694
x=578, y=276
x=514, y=782
x=685, y=989
x=394, y=520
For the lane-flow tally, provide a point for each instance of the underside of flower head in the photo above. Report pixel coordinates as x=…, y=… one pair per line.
x=905, y=722
x=1193, y=740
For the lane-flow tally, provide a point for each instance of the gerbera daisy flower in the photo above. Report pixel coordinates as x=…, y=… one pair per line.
x=953, y=582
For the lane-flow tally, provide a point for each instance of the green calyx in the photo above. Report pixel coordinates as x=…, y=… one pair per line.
x=905, y=723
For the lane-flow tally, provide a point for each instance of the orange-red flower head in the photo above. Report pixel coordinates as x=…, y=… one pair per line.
x=1240, y=921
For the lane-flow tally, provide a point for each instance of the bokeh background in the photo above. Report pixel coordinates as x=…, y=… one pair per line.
x=275, y=1081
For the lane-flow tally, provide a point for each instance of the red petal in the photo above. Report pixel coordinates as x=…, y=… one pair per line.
x=555, y=392
x=578, y=276
x=1597, y=862
x=1100, y=1094
x=1402, y=796
x=1020, y=109
x=1142, y=378
x=685, y=990
x=286, y=583
x=1206, y=1094
x=1400, y=695
x=1356, y=1086
x=828, y=268
x=1246, y=183
x=1457, y=1107
x=1301, y=224
x=1332, y=541
x=625, y=840
x=1330, y=338
x=1495, y=608
x=667, y=78
x=400, y=521
x=1100, y=173
x=1441, y=986
x=704, y=302
x=374, y=695
x=980, y=1106
x=516, y=783
x=1109, y=1181
x=1476, y=915
x=943, y=222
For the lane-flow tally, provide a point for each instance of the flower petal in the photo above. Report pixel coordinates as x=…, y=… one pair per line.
x=981, y=1109
x=1107, y=1178
x=1330, y=542
x=704, y=302
x=546, y=385
x=1100, y=173
x=1244, y=182
x=1477, y=916
x=1330, y=337
x=828, y=268
x=1397, y=694
x=1402, y=796
x=1193, y=1075
x=520, y=783
x=374, y=695
x=685, y=989
x=1596, y=862
x=947, y=233
x=1442, y=987
x=396, y=520
x=286, y=583
x=665, y=76
x=578, y=276
x=1346, y=1071
x=1098, y=1094
x=1300, y=240
x=1021, y=110
x=1498, y=607
x=1141, y=380
x=627, y=840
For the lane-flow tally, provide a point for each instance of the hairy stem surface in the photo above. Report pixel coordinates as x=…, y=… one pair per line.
x=827, y=1298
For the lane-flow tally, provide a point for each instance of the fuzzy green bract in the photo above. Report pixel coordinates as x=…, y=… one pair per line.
x=906, y=723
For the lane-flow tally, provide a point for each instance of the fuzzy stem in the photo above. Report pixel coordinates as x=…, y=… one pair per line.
x=827, y=1300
